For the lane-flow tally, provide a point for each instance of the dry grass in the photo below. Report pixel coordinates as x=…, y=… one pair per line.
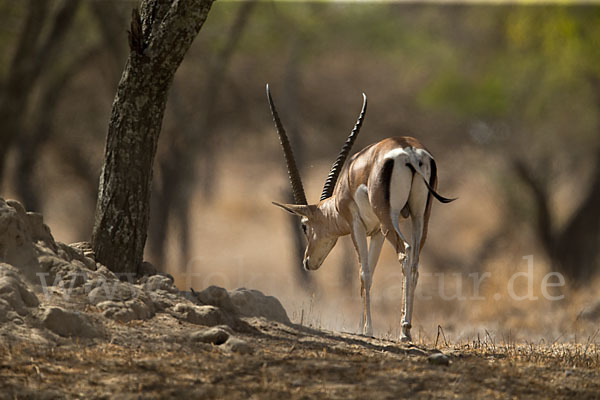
x=564, y=355
x=299, y=363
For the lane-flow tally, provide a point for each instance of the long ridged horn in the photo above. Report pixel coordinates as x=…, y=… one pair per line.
x=293, y=173
x=339, y=162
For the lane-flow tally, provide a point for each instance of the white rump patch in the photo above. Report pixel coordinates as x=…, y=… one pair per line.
x=395, y=153
x=421, y=153
x=400, y=186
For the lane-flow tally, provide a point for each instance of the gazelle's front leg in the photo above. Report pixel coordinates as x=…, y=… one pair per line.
x=359, y=238
x=375, y=245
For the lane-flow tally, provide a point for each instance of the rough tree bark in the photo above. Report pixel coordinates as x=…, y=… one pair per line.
x=161, y=33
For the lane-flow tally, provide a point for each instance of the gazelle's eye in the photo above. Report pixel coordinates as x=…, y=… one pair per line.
x=304, y=228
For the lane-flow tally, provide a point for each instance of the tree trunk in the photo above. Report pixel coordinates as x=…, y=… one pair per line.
x=159, y=38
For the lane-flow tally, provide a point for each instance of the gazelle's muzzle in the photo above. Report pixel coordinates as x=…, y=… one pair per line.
x=305, y=264
x=312, y=263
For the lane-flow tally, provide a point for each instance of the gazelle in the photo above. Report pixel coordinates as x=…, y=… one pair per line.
x=392, y=179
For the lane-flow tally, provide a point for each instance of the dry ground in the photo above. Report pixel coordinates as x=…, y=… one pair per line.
x=156, y=359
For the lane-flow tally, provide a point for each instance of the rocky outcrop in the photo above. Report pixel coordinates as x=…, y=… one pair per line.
x=252, y=303
x=61, y=289
x=244, y=302
x=17, y=237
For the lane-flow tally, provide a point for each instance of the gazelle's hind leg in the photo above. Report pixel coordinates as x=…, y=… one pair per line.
x=411, y=276
x=417, y=203
x=405, y=258
x=402, y=249
x=390, y=194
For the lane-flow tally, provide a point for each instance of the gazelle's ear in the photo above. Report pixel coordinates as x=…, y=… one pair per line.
x=298, y=209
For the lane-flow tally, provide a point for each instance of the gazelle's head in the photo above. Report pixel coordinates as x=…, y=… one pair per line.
x=315, y=218
x=317, y=229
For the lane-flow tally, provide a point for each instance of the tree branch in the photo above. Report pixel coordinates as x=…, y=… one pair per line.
x=178, y=29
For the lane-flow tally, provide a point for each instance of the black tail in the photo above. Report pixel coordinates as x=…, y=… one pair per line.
x=435, y=194
x=438, y=196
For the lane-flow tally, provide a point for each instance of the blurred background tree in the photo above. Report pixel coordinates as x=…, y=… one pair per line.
x=39, y=44
x=190, y=157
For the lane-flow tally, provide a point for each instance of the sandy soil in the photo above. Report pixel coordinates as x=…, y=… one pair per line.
x=157, y=359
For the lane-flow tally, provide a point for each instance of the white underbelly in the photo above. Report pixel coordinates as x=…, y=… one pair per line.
x=365, y=210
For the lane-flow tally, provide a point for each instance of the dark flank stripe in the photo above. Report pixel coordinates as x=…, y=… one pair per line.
x=386, y=178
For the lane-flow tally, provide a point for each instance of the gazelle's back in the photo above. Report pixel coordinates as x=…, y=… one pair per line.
x=366, y=181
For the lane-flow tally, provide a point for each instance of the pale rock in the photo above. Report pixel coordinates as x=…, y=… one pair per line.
x=105, y=272
x=121, y=314
x=15, y=296
x=215, y=335
x=68, y=323
x=16, y=244
x=163, y=301
x=199, y=315
x=119, y=300
x=142, y=309
x=134, y=309
x=238, y=346
x=160, y=282
x=252, y=303
x=55, y=271
x=438, y=359
x=101, y=290
x=216, y=296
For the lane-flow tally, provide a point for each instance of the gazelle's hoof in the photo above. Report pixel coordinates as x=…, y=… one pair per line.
x=405, y=335
x=405, y=338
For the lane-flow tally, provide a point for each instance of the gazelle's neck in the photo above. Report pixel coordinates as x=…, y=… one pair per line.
x=338, y=226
